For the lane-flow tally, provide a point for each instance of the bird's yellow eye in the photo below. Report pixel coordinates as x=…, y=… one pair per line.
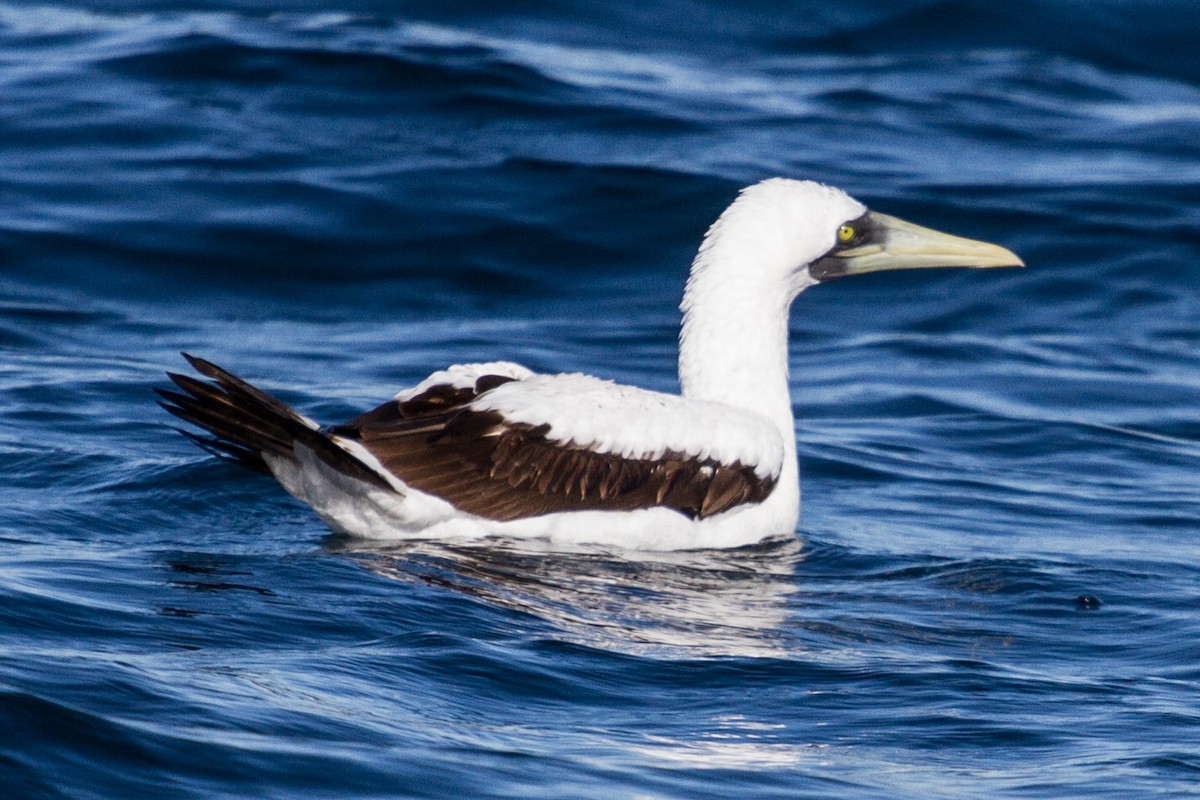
x=846, y=233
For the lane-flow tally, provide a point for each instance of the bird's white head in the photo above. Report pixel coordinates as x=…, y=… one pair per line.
x=771, y=233
x=791, y=234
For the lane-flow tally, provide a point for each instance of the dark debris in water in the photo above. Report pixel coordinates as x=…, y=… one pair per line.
x=222, y=586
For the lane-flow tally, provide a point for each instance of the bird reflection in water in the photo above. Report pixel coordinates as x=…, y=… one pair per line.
x=672, y=604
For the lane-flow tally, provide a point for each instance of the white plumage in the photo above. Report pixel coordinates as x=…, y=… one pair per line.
x=494, y=449
x=607, y=417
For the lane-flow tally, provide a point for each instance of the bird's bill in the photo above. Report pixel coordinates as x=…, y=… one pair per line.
x=891, y=243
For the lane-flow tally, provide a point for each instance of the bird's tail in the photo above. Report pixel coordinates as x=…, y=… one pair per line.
x=245, y=423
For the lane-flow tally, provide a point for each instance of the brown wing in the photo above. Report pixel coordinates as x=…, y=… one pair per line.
x=487, y=466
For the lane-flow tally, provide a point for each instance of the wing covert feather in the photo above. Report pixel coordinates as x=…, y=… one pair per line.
x=445, y=442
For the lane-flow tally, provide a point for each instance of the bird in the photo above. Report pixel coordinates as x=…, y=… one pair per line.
x=496, y=450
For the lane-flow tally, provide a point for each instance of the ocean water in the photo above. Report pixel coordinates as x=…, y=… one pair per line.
x=994, y=590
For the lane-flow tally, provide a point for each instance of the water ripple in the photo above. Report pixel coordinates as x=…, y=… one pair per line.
x=993, y=586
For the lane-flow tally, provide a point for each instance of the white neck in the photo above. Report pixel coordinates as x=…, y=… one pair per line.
x=733, y=345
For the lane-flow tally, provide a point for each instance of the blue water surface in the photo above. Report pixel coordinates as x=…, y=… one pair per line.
x=994, y=591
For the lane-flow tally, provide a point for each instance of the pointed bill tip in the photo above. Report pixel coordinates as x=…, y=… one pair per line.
x=995, y=256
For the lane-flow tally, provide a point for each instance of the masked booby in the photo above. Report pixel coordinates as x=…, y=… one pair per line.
x=495, y=449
